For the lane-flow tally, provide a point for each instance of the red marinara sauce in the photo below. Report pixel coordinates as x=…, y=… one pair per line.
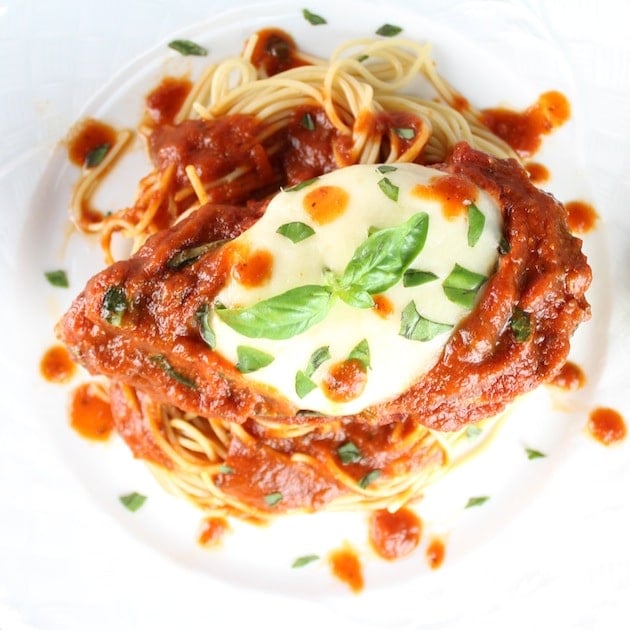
x=345, y=380
x=571, y=377
x=581, y=216
x=435, y=553
x=164, y=101
x=538, y=173
x=606, y=425
x=523, y=131
x=394, y=534
x=275, y=51
x=56, y=366
x=213, y=529
x=346, y=566
x=90, y=415
x=87, y=136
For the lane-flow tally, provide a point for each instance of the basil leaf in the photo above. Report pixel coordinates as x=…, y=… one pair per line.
x=473, y=431
x=366, y=480
x=380, y=261
x=133, y=501
x=161, y=361
x=476, y=223
x=361, y=352
x=304, y=184
x=355, y=296
x=388, y=30
x=187, y=47
x=417, y=328
x=295, y=231
x=473, y=501
x=57, y=278
x=349, y=453
x=96, y=155
x=205, y=329
x=416, y=277
x=521, y=325
x=406, y=133
x=224, y=469
x=273, y=499
x=114, y=305
x=308, y=122
x=389, y=190
x=504, y=246
x=188, y=256
x=251, y=359
x=361, y=58
x=386, y=168
x=304, y=560
x=303, y=384
x=461, y=286
x=313, y=18
x=320, y=356
x=533, y=454
x=282, y=316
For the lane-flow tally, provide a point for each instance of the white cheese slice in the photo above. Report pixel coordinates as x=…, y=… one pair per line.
x=396, y=362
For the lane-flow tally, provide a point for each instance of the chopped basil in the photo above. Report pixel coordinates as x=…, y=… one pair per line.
x=96, y=155
x=476, y=223
x=389, y=189
x=313, y=18
x=361, y=352
x=251, y=359
x=416, y=277
x=58, y=278
x=308, y=122
x=304, y=184
x=162, y=362
x=114, y=305
x=188, y=256
x=282, y=316
x=186, y=48
x=417, y=328
x=362, y=58
x=386, y=168
x=504, y=246
x=534, y=454
x=296, y=231
x=521, y=325
x=224, y=469
x=388, y=30
x=321, y=355
x=349, y=453
x=273, y=499
x=366, y=480
x=304, y=560
x=205, y=329
x=303, y=383
x=473, y=431
x=474, y=501
x=461, y=286
x=133, y=501
x=406, y=133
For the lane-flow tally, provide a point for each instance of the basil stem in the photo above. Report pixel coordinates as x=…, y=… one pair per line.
x=251, y=359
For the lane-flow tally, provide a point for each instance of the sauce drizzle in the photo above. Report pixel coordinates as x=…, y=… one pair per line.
x=582, y=217
x=571, y=377
x=394, y=534
x=435, y=553
x=90, y=414
x=606, y=425
x=56, y=365
x=346, y=566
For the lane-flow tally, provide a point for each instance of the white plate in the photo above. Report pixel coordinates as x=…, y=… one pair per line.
x=494, y=55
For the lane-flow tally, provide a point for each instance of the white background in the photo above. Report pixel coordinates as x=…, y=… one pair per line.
x=564, y=563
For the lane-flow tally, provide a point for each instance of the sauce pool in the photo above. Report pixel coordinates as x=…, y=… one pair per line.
x=581, y=216
x=435, y=553
x=91, y=414
x=164, y=102
x=90, y=134
x=56, y=365
x=394, y=534
x=606, y=425
x=346, y=566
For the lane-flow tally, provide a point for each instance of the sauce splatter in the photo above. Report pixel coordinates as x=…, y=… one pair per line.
x=581, y=216
x=90, y=413
x=383, y=306
x=88, y=135
x=538, y=173
x=213, y=529
x=345, y=381
x=56, y=365
x=346, y=566
x=255, y=268
x=606, y=425
x=324, y=204
x=571, y=377
x=275, y=51
x=436, y=551
x=523, y=131
x=164, y=101
x=453, y=192
x=394, y=534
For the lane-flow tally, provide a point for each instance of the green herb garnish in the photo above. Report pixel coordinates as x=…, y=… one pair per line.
x=416, y=277
x=388, y=30
x=474, y=501
x=96, y=155
x=386, y=168
x=57, y=278
x=521, y=325
x=188, y=48
x=534, y=454
x=295, y=231
x=461, y=286
x=313, y=18
x=504, y=246
x=406, y=133
x=304, y=560
x=417, y=328
x=476, y=223
x=473, y=431
x=389, y=189
x=349, y=453
x=303, y=382
x=273, y=499
x=224, y=469
x=133, y=501
x=162, y=362
x=251, y=359
x=361, y=352
x=304, y=184
x=366, y=480
x=188, y=256
x=205, y=329
x=308, y=122
x=114, y=305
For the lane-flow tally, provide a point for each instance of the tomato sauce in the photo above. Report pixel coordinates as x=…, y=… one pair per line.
x=454, y=192
x=570, y=377
x=254, y=269
x=90, y=415
x=523, y=131
x=538, y=173
x=582, y=217
x=394, y=534
x=88, y=135
x=346, y=566
x=345, y=381
x=383, y=306
x=606, y=425
x=275, y=51
x=324, y=204
x=56, y=365
x=164, y=102
x=435, y=553
x=213, y=529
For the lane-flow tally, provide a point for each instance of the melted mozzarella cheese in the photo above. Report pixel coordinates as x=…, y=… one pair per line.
x=342, y=208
